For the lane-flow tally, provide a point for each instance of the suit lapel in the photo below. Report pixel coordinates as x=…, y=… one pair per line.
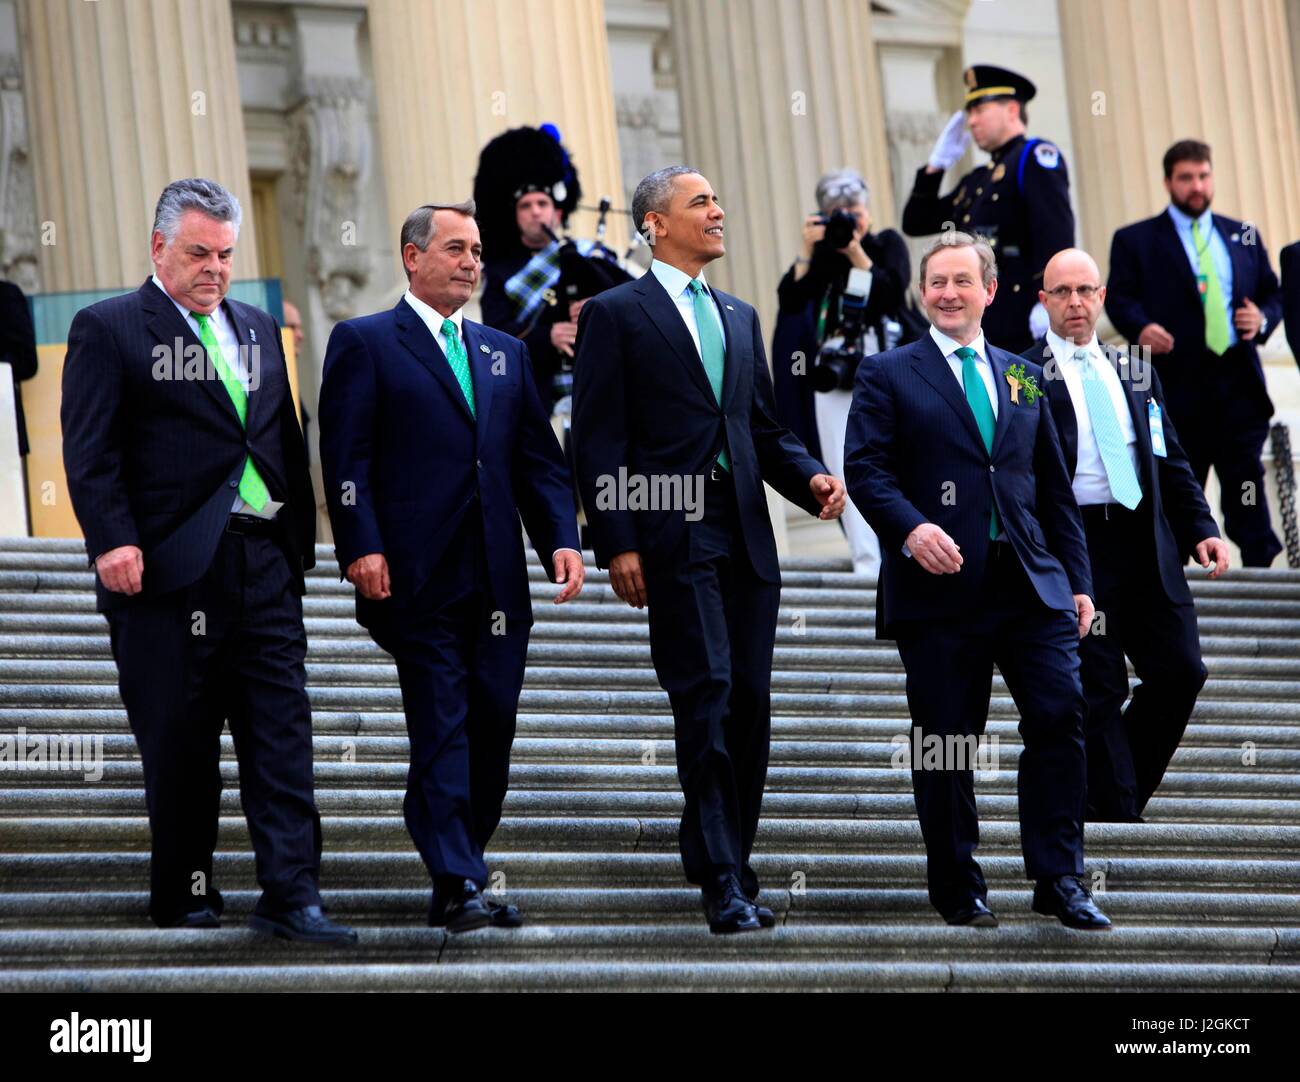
x=1067, y=423
x=1005, y=408
x=244, y=335
x=731, y=365
x=1236, y=256
x=421, y=344
x=1175, y=255
x=1137, y=409
x=667, y=320
x=167, y=325
x=480, y=366
x=929, y=363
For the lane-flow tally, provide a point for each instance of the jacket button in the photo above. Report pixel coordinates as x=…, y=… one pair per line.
x=479, y=463
x=993, y=469
x=234, y=484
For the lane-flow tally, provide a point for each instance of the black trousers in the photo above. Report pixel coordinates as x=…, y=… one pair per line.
x=949, y=680
x=712, y=630
x=1226, y=426
x=1130, y=749
x=461, y=669
x=229, y=648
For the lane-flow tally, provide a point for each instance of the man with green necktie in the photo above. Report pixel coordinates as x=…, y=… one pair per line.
x=1196, y=290
x=188, y=474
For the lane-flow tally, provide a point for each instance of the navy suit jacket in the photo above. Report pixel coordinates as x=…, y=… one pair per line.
x=404, y=460
x=1151, y=281
x=1172, y=500
x=154, y=455
x=1289, y=263
x=913, y=454
x=642, y=402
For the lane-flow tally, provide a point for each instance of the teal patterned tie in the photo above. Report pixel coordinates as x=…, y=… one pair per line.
x=712, y=352
x=1123, y=478
x=459, y=362
x=977, y=395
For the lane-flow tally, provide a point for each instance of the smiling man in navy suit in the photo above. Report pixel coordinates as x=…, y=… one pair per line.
x=954, y=460
x=434, y=444
x=1197, y=289
x=671, y=390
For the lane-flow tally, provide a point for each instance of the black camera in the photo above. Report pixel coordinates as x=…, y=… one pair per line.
x=837, y=363
x=840, y=225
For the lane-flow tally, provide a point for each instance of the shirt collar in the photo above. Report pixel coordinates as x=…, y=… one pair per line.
x=187, y=314
x=674, y=280
x=1064, y=350
x=1184, y=221
x=949, y=346
x=432, y=317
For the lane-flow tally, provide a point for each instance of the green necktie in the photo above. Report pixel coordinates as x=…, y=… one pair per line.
x=459, y=362
x=1216, y=309
x=252, y=489
x=977, y=396
x=712, y=352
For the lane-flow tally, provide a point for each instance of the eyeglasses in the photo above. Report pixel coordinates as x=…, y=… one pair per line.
x=1062, y=293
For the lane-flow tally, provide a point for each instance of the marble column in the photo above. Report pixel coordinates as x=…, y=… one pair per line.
x=124, y=96
x=450, y=76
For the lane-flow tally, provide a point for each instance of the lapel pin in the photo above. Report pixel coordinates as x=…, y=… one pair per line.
x=252, y=335
x=730, y=308
x=1236, y=237
x=483, y=349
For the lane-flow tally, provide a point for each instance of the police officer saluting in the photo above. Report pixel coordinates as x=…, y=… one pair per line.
x=1020, y=200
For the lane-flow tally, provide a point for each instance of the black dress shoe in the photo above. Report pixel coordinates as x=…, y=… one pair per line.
x=459, y=910
x=1066, y=898
x=766, y=917
x=727, y=908
x=306, y=925
x=975, y=915
x=503, y=915
x=203, y=917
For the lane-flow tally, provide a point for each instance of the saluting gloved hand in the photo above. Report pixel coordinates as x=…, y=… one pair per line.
x=952, y=143
x=1038, y=320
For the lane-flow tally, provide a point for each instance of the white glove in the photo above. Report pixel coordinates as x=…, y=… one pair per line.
x=952, y=142
x=1038, y=321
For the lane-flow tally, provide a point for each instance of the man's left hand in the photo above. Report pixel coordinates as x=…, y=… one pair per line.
x=570, y=572
x=1086, y=610
x=1213, y=550
x=1247, y=319
x=830, y=494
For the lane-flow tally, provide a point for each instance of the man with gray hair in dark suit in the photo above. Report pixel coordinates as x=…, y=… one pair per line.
x=187, y=471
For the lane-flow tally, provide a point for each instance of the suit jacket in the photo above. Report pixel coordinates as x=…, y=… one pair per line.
x=913, y=454
x=1289, y=261
x=1151, y=281
x=154, y=451
x=642, y=402
x=405, y=461
x=1173, y=503
x=17, y=349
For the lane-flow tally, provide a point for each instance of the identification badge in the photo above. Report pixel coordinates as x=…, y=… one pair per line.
x=1156, y=422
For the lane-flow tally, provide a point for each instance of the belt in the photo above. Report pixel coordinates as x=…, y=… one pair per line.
x=1105, y=512
x=251, y=525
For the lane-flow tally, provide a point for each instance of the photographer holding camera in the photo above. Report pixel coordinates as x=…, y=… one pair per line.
x=844, y=298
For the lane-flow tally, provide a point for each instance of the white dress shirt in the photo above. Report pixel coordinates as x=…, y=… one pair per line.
x=433, y=319
x=228, y=343
x=678, y=284
x=1091, y=485
x=949, y=347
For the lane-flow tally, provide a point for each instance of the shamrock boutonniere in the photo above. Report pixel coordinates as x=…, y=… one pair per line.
x=1017, y=380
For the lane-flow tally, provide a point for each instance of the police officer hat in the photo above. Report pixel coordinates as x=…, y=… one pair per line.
x=985, y=83
x=515, y=163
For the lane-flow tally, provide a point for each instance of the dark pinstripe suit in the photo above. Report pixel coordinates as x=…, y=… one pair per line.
x=913, y=454
x=216, y=633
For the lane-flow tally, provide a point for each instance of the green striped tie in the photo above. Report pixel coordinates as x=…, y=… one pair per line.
x=712, y=352
x=459, y=362
x=252, y=489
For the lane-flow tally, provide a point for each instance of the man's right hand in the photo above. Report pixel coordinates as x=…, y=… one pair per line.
x=934, y=550
x=121, y=569
x=1155, y=336
x=626, y=578
x=950, y=145
x=369, y=574
x=563, y=335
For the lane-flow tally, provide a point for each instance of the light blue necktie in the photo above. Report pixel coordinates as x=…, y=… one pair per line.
x=1123, y=478
x=712, y=352
x=977, y=395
